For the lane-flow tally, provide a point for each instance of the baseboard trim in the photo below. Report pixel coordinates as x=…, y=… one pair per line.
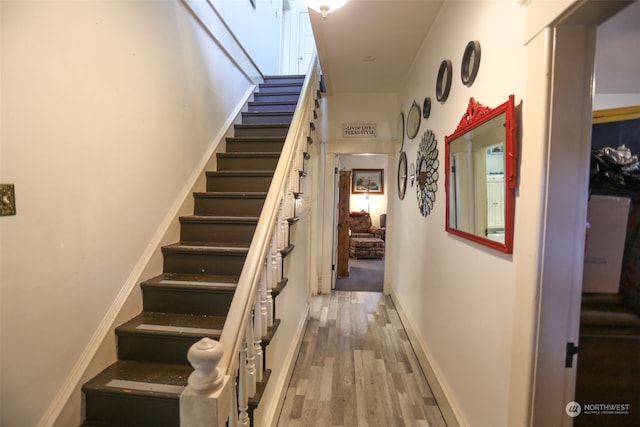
x=442, y=394
x=74, y=380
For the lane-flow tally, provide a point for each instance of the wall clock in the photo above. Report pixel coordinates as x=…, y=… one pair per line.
x=443, y=81
x=427, y=173
x=402, y=175
x=470, y=63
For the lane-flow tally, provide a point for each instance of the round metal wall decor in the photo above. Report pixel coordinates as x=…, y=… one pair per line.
x=470, y=63
x=427, y=172
x=413, y=120
x=426, y=107
x=443, y=82
x=401, y=130
x=402, y=175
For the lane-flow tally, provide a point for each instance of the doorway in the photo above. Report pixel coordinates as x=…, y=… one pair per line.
x=564, y=51
x=355, y=272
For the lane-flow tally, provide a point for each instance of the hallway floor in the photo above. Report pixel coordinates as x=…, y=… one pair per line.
x=357, y=368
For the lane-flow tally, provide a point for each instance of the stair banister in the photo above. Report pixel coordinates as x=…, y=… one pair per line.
x=209, y=406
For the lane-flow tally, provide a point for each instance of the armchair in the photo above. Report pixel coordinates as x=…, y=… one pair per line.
x=364, y=240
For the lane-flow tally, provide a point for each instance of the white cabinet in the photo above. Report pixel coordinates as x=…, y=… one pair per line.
x=495, y=201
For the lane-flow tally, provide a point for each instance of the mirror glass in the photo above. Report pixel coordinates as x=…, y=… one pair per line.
x=480, y=181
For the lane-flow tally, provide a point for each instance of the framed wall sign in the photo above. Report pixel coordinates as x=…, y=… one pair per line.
x=367, y=181
x=359, y=130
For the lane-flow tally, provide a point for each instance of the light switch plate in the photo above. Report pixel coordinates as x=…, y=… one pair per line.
x=7, y=200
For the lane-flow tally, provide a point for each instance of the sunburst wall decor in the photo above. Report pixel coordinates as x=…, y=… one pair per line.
x=427, y=172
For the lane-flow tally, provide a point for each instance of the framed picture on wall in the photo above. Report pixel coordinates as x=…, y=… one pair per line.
x=367, y=181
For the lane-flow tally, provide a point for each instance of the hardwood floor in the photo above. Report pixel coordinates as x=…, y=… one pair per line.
x=357, y=368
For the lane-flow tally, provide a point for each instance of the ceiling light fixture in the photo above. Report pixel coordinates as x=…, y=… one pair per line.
x=324, y=6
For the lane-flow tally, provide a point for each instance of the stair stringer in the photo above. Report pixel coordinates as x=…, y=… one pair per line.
x=67, y=408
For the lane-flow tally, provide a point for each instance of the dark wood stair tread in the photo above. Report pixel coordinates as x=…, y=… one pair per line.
x=232, y=194
x=287, y=250
x=280, y=77
x=262, y=125
x=251, y=154
x=256, y=138
x=260, y=388
x=197, y=281
x=207, y=247
x=141, y=378
x=266, y=114
x=271, y=332
x=275, y=291
x=250, y=173
x=220, y=219
x=174, y=324
x=287, y=92
x=274, y=84
x=273, y=103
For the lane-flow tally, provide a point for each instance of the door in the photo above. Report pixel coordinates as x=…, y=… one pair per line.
x=343, y=223
x=306, y=43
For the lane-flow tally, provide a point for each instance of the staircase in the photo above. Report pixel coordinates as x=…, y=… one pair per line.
x=191, y=298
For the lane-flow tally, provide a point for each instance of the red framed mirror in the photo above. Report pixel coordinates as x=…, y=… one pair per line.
x=480, y=179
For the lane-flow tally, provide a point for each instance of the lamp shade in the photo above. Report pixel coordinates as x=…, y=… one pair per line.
x=324, y=6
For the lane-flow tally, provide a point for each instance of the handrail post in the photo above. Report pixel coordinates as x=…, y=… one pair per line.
x=257, y=332
x=207, y=398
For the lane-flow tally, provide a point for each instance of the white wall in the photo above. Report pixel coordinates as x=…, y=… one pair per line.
x=108, y=110
x=459, y=296
x=257, y=28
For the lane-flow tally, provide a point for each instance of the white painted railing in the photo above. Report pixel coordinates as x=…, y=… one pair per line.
x=226, y=373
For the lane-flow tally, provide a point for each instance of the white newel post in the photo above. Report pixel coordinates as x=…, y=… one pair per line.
x=206, y=400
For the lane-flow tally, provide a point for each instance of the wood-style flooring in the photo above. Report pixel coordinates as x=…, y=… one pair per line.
x=357, y=368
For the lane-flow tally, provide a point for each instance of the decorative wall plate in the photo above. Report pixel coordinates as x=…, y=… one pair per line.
x=413, y=120
x=427, y=172
x=443, y=82
x=470, y=63
x=402, y=175
x=426, y=107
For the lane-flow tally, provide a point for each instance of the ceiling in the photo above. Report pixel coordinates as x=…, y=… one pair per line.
x=617, y=48
x=368, y=46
